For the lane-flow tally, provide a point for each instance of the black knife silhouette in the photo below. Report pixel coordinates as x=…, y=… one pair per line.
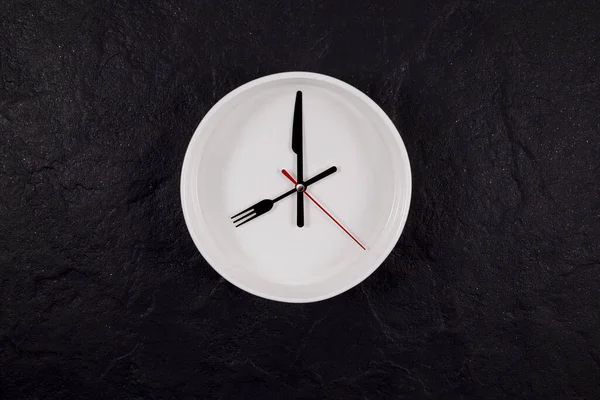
x=297, y=148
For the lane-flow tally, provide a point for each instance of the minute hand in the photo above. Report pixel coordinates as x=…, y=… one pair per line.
x=297, y=148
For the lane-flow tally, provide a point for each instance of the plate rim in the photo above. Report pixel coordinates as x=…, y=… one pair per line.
x=187, y=164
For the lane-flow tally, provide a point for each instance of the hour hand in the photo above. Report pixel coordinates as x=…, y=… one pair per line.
x=264, y=206
x=255, y=211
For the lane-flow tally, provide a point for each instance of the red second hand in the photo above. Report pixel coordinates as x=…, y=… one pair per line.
x=287, y=175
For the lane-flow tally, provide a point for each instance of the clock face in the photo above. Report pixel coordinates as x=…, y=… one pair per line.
x=295, y=187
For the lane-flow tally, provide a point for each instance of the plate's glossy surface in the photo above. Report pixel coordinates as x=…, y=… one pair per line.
x=235, y=159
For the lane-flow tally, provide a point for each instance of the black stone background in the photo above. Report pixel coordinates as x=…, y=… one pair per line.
x=491, y=292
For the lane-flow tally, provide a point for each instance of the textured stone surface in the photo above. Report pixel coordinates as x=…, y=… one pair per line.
x=492, y=290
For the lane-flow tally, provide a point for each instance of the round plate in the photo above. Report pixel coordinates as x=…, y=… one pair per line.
x=236, y=157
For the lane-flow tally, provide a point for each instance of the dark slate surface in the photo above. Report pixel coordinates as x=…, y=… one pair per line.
x=492, y=291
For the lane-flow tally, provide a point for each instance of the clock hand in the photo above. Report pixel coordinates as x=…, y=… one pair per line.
x=297, y=148
x=287, y=175
x=264, y=206
x=320, y=176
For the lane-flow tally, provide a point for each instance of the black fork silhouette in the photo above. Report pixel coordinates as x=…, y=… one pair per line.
x=265, y=205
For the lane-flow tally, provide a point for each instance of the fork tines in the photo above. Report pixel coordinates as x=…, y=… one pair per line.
x=248, y=212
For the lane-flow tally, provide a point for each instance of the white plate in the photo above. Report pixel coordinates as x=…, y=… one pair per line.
x=235, y=159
